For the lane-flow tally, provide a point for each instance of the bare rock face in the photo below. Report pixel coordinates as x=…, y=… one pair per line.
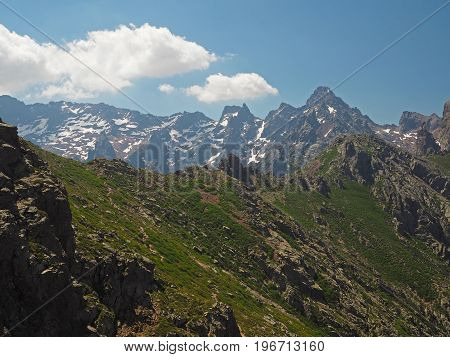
x=46, y=289
x=37, y=246
x=443, y=134
x=218, y=321
x=426, y=144
x=358, y=164
x=320, y=185
x=103, y=149
x=410, y=121
x=123, y=284
x=221, y=321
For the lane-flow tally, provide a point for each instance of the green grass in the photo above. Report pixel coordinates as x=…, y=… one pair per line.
x=442, y=162
x=193, y=281
x=408, y=263
x=197, y=235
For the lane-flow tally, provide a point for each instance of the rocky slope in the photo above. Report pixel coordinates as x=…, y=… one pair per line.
x=286, y=138
x=49, y=287
x=426, y=144
x=412, y=190
x=354, y=244
x=443, y=133
x=37, y=245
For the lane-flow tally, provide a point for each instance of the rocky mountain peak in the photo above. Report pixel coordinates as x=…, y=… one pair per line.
x=443, y=133
x=285, y=105
x=410, y=121
x=229, y=109
x=320, y=94
x=446, y=114
x=235, y=111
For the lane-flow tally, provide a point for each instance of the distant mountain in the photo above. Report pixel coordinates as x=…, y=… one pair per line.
x=71, y=129
x=286, y=138
x=174, y=144
x=411, y=121
x=307, y=130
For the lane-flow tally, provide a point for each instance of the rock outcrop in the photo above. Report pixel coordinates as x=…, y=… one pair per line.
x=46, y=288
x=443, y=133
x=103, y=149
x=37, y=246
x=410, y=189
x=412, y=121
x=426, y=144
x=221, y=321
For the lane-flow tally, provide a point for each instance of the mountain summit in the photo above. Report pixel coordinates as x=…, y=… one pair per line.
x=320, y=94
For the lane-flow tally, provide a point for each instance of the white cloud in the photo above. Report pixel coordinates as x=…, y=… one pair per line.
x=121, y=56
x=223, y=88
x=166, y=88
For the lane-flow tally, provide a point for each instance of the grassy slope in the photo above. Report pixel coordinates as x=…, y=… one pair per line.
x=442, y=162
x=193, y=281
x=185, y=254
x=364, y=228
x=363, y=232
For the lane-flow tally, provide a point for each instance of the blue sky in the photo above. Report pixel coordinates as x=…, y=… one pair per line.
x=294, y=45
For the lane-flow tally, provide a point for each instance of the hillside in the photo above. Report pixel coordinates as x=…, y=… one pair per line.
x=327, y=251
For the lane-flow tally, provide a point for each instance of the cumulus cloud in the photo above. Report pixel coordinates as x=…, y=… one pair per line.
x=120, y=56
x=166, y=88
x=219, y=87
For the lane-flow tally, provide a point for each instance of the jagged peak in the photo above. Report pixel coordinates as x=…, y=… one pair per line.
x=284, y=106
x=321, y=93
x=446, y=109
x=228, y=109
x=245, y=110
x=242, y=111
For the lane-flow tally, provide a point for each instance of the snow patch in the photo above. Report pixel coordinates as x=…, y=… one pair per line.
x=37, y=128
x=213, y=158
x=121, y=121
x=174, y=135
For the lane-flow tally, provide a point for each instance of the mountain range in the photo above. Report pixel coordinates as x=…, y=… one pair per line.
x=286, y=138
x=314, y=221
